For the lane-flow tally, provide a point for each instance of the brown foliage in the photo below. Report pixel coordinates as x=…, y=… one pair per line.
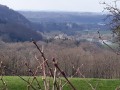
x=92, y=60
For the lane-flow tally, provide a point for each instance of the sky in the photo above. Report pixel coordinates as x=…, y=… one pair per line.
x=56, y=5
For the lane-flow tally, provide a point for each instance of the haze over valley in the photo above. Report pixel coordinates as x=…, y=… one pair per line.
x=43, y=25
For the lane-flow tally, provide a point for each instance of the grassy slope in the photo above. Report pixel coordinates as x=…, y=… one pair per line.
x=15, y=83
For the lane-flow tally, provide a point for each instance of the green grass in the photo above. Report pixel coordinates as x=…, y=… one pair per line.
x=15, y=83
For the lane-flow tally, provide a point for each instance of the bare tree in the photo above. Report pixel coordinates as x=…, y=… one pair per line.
x=113, y=18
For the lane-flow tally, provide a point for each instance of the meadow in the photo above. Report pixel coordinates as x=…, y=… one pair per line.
x=15, y=83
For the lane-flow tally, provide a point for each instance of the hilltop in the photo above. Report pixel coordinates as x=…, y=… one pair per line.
x=15, y=27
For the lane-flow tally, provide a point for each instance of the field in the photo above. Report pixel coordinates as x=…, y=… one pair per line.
x=15, y=83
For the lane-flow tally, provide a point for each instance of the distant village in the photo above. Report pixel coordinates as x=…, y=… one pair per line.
x=91, y=37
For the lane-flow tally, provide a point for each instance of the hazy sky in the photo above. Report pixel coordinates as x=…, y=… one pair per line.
x=55, y=5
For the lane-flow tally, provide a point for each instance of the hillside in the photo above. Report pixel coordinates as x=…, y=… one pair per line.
x=15, y=27
x=67, y=22
x=76, y=17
